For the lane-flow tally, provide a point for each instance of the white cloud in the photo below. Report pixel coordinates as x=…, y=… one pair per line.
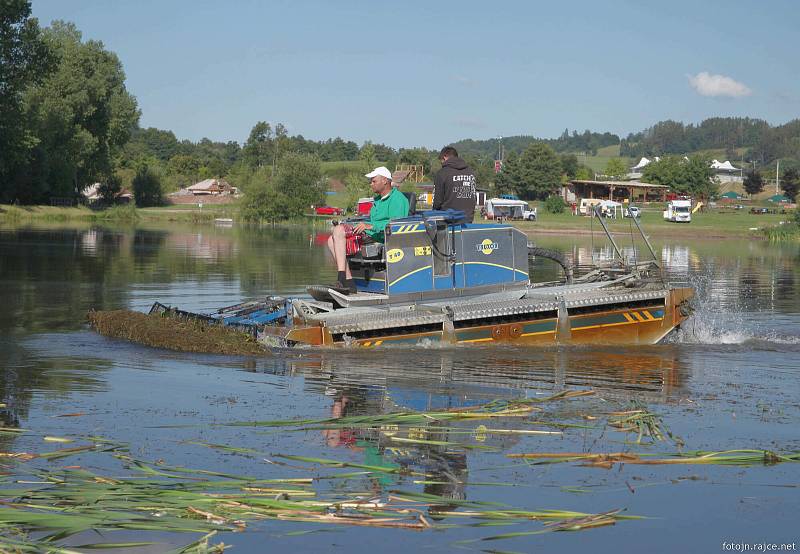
x=718, y=85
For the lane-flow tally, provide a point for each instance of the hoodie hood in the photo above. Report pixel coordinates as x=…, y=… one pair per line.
x=456, y=163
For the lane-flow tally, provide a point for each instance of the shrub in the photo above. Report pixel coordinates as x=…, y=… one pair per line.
x=554, y=204
x=122, y=213
x=296, y=186
x=147, y=187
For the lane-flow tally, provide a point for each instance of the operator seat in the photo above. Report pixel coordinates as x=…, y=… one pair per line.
x=412, y=202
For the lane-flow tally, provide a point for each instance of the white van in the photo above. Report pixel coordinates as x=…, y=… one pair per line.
x=679, y=211
x=588, y=204
x=509, y=209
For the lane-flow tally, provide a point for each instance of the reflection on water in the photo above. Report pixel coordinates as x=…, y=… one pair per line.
x=445, y=378
x=739, y=349
x=39, y=365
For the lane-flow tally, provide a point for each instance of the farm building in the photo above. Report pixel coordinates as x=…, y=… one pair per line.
x=614, y=190
x=212, y=187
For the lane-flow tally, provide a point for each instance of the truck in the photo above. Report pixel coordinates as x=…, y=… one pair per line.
x=679, y=211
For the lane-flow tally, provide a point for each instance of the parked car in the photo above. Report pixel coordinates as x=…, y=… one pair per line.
x=633, y=211
x=328, y=210
x=761, y=211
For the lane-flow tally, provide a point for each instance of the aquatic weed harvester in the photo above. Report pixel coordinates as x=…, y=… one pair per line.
x=437, y=279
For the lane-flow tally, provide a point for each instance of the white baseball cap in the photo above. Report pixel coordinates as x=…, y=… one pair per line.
x=382, y=171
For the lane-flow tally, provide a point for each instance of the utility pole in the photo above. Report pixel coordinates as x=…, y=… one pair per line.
x=778, y=178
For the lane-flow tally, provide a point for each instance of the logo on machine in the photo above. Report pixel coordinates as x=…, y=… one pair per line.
x=487, y=246
x=394, y=255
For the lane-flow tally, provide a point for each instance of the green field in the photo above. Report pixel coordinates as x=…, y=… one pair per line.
x=725, y=223
x=342, y=166
x=598, y=162
x=339, y=170
x=710, y=224
x=180, y=212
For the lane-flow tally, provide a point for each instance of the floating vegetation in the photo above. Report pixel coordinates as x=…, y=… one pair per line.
x=406, y=418
x=41, y=507
x=644, y=423
x=495, y=409
x=185, y=335
x=726, y=457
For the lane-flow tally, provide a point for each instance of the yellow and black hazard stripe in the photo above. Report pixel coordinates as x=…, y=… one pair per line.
x=409, y=228
x=641, y=316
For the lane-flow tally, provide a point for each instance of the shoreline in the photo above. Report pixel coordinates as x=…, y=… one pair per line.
x=716, y=226
x=754, y=235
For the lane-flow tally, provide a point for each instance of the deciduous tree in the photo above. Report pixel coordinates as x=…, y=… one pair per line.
x=25, y=59
x=368, y=156
x=790, y=183
x=296, y=186
x=753, y=183
x=616, y=168
x=692, y=176
x=538, y=172
x=81, y=115
x=257, y=151
x=147, y=187
x=569, y=164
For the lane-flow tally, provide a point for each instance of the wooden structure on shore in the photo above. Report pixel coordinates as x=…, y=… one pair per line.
x=408, y=172
x=617, y=190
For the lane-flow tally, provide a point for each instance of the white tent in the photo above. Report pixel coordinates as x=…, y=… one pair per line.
x=642, y=163
x=609, y=208
x=91, y=192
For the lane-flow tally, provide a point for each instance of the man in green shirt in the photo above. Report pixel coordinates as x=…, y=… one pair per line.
x=389, y=203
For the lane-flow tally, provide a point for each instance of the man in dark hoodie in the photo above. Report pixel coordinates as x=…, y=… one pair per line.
x=454, y=186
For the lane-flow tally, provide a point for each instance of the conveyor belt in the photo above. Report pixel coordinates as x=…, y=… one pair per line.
x=497, y=305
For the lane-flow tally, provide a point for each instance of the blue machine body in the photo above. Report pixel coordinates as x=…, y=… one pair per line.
x=435, y=251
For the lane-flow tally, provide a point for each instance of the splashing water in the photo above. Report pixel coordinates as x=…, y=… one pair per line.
x=719, y=318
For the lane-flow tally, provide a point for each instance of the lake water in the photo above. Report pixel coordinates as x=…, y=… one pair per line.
x=730, y=379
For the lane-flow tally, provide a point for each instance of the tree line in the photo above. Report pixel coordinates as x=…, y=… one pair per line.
x=743, y=138
x=67, y=121
x=587, y=142
x=65, y=113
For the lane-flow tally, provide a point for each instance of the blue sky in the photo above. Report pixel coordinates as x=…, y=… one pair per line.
x=428, y=73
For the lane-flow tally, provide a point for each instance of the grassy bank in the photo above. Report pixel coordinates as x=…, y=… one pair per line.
x=706, y=225
x=736, y=224
x=122, y=214
x=783, y=233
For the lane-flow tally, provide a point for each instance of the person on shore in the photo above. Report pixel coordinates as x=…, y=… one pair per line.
x=389, y=203
x=454, y=185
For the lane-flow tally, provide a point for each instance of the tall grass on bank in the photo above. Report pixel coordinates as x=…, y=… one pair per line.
x=10, y=213
x=783, y=233
x=126, y=213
